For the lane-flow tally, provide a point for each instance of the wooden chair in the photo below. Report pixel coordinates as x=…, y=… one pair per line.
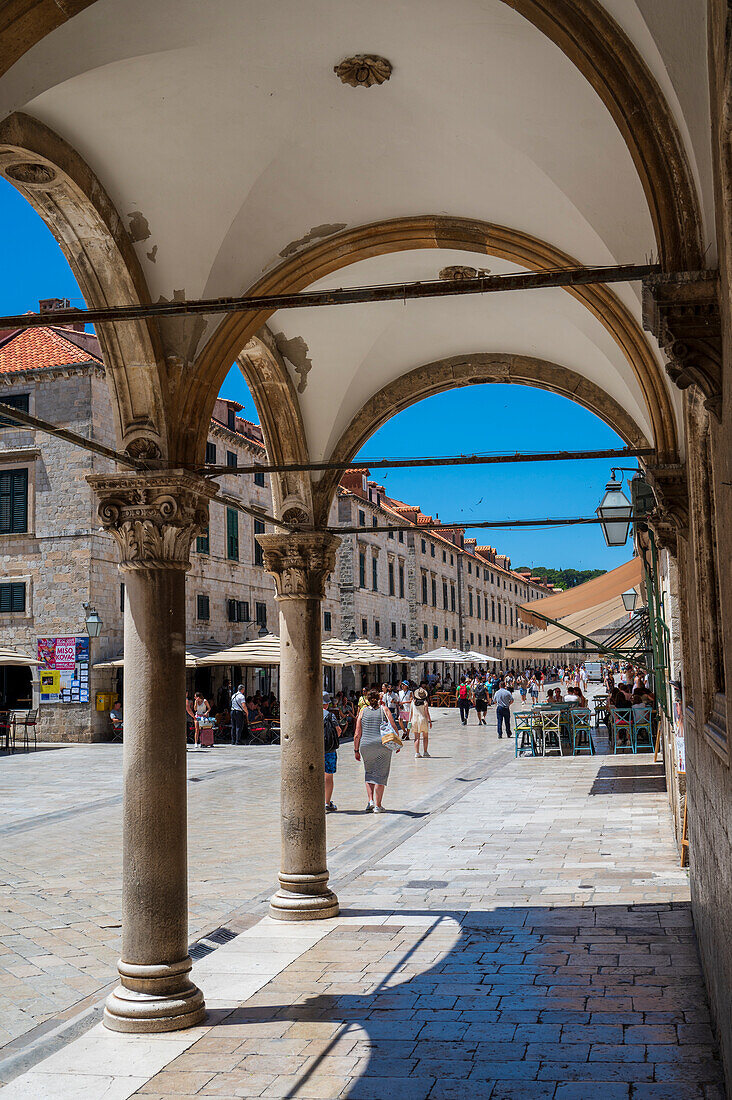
x=117, y=728
x=621, y=725
x=524, y=723
x=7, y=730
x=581, y=729
x=551, y=732
x=643, y=728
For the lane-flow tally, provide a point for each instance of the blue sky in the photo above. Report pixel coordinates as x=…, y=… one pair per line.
x=477, y=419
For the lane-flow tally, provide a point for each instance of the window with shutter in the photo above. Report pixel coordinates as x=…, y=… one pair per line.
x=258, y=552
x=13, y=501
x=16, y=401
x=242, y=611
x=231, y=611
x=261, y=614
x=232, y=534
x=202, y=543
x=12, y=597
x=259, y=479
x=211, y=454
x=202, y=607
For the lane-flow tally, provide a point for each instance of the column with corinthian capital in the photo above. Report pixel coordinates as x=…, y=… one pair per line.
x=153, y=518
x=300, y=564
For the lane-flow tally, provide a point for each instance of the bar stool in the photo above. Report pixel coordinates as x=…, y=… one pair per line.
x=621, y=721
x=581, y=731
x=551, y=732
x=523, y=727
x=642, y=728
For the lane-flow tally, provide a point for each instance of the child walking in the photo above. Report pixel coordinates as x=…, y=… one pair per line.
x=421, y=723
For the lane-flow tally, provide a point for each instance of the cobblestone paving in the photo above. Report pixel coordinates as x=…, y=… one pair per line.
x=60, y=857
x=532, y=940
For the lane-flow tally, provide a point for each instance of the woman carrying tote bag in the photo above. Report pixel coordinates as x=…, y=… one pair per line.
x=375, y=733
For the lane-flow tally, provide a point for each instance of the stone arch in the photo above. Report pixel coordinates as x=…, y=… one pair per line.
x=469, y=370
x=276, y=402
x=61, y=187
x=591, y=39
x=459, y=234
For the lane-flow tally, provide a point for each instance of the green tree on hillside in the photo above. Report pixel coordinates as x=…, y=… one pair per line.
x=565, y=578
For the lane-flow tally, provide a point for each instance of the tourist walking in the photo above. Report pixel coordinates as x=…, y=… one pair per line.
x=534, y=690
x=201, y=711
x=367, y=745
x=238, y=716
x=504, y=702
x=463, y=701
x=420, y=722
x=480, y=701
x=331, y=736
x=405, y=706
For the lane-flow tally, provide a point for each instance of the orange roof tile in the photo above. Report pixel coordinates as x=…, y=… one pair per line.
x=39, y=348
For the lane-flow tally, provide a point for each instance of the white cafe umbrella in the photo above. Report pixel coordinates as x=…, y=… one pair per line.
x=10, y=658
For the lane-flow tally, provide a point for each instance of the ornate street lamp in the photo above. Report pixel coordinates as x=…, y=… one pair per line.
x=615, y=512
x=352, y=637
x=92, y=622
x=630, y=599
x=262, y=632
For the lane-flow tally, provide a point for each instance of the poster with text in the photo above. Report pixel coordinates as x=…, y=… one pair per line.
x=69, y=657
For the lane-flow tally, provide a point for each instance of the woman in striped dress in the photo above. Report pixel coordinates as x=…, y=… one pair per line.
x=367, y=745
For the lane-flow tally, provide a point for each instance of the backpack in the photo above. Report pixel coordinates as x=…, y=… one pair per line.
x=480, y=693
x=330, y=733
x=463, y=692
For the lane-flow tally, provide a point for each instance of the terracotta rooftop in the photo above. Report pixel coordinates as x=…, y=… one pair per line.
x=31, y=349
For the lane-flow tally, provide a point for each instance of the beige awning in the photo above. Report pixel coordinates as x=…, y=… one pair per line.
x=590, y=594
x=10, y=658
x=552, y=638
x=195, y=652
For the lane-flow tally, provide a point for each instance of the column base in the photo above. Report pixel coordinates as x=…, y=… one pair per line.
x=154, y=999
x=304, y=897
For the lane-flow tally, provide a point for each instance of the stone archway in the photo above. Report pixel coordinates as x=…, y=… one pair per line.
x=469, y=370
x=63, y=190
x=591, y=39
x=457, y=234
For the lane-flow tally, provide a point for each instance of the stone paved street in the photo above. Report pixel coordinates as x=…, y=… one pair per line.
x=520, y=928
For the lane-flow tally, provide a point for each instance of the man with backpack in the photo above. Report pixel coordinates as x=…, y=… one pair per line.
x=480, y=700
x=463, y=701
x=331, y=736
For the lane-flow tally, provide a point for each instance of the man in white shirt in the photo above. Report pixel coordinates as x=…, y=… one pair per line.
x=504, y=701
x=238, y=716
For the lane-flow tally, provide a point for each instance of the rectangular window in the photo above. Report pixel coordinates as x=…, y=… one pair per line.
x=327, y=620
x=122, y=599
x=361, y=518
x=401, y=536
x=231, y=420
x=404, y=630
x=447, y=634
x=377, y=627
x=375, y=574
x=493, y=610
x=425, y=630
x=231, y=459
x=391, y=534
x=472, y=638
x=231, y=611
x=393, y=630
x=444, y=595
x=362, y=570
x=260, y=613
x=470, y=567
x=499, y=613
x=391, y=578
x=401, y=582
x=12, y=597
x=480, y=639
x=485, y=574
x=210, y=454
x=424, y=547
x=364, y=627
x=202, y=543
x=13, y=502
x=452, y=597
x=258, y=551
x=374, y=521
x=16, y=401
x=454, y=634
x=444, y=555
x=202, y=607
x=452, y=560
x=477, y=606
x=432, y=549
x=424, y=588
x=470, y=603
x=434, y=633
x=237, y=611
x=232, y=534
x=434, y=592
x=259, y=478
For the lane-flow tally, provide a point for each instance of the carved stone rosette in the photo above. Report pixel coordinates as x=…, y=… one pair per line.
x=682, y=312
x=153, y=516
x=300, y=563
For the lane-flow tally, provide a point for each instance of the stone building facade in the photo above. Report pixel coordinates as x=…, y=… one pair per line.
x=411, y=590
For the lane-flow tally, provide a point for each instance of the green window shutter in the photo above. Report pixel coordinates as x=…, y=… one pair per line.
x=16, y=401
x=232, y=534
x=13, y=501
x=12, y=597
x=202, y=543
x=258, y=552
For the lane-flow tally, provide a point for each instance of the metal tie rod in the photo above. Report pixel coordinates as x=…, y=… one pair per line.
x=448, y=460
x=468, y=524
x=393, y=292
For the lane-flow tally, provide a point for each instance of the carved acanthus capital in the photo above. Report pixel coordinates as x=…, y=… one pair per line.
x=300, y=563
x=153, y=516
x=682, y=312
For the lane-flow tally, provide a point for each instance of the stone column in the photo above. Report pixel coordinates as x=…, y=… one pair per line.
x=153, y=518
x=300, y=564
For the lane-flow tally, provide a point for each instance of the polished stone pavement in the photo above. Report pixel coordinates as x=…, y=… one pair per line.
x=515, y=928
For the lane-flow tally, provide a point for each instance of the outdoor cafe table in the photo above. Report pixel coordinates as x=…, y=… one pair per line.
x=443, y=699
